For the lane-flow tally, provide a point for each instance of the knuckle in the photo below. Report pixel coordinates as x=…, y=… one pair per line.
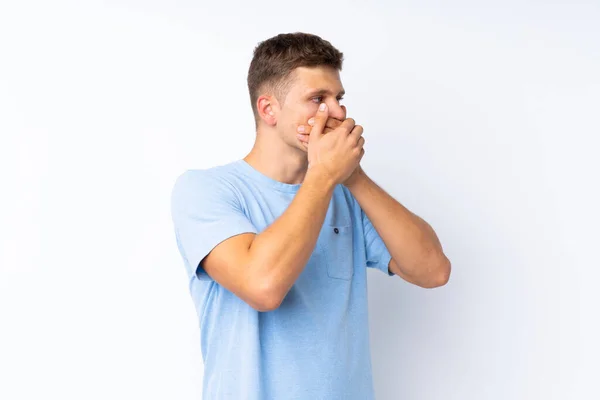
x=348, y=125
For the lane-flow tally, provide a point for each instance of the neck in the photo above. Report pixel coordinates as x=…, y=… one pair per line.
x=276, y=159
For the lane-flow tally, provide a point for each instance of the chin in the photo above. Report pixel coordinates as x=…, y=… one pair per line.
x=298, y=145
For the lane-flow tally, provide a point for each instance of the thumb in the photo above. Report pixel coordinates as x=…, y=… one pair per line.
x=320, y=121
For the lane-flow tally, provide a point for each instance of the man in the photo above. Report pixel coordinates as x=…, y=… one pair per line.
x=276, y=244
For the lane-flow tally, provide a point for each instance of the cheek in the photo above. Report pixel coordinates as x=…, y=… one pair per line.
x=297, y=121
x=309, y=111
x=298, y=116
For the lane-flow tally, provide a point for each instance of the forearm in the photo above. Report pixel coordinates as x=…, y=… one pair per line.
x=415, y=248
x=279, y=253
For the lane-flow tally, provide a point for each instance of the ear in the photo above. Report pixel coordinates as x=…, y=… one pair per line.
x=268, y=108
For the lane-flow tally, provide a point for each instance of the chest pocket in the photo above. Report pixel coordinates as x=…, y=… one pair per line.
x=337, y=251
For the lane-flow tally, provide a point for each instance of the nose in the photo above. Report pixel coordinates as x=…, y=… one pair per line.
x=336, y=110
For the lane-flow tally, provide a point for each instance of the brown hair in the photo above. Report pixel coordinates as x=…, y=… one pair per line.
x=275, y=58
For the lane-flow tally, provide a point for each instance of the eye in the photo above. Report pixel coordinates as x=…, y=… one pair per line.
x=319, y=99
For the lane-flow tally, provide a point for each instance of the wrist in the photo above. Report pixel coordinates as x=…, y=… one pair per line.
x=320, y=177
x=356, y=178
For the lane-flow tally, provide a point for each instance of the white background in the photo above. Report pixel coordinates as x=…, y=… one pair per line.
x=481, y=117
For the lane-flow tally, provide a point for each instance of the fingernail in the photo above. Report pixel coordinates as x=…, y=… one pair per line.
x=322, y=107
x=311, y=121
x=301, y=129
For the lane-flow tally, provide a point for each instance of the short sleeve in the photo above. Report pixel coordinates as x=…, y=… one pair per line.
x=205, y=212
x=378, y=255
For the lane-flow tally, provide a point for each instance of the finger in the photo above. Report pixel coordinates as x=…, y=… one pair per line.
x=355, y=133
x=361, y=142
x=303, y=137
x=320, y=121
x=347, y=125
x=304, y=129
x=331, y=123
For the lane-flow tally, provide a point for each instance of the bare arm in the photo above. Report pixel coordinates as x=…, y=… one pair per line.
x=261, y=269
x=417, y=255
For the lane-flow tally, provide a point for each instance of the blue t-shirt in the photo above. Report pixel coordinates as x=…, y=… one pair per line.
x=316, y=344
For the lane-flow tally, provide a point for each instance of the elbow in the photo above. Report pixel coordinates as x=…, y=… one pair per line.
x=262, y=288
x=266, y=303
x=266, y=297
x=441, y=276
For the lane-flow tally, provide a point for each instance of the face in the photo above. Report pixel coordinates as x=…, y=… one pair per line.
x=309, y=87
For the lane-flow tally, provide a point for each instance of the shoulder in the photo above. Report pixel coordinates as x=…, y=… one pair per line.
x=203, y=185
x=202, y=179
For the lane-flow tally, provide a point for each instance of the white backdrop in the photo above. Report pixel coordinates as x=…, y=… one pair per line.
x=481, y=118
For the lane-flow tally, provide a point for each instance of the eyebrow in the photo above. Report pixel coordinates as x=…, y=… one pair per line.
x=320, y=92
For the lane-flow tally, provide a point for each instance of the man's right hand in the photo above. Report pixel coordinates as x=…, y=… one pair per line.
x=337, y=153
